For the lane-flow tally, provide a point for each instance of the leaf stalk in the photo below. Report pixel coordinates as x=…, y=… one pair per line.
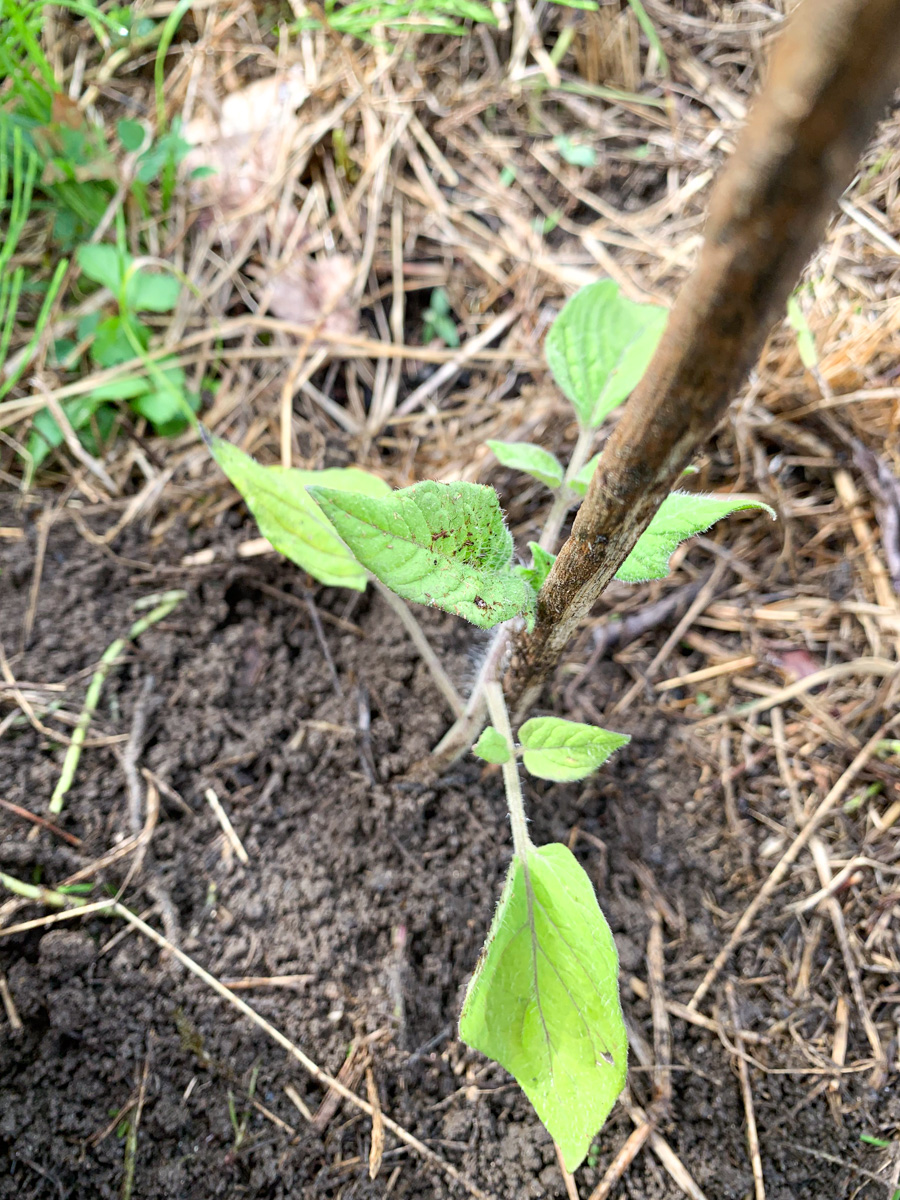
x=493, y=693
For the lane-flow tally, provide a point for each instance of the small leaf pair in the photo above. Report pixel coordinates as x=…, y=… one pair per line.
x=144, y=291
x=597, y=348
x=554, y=749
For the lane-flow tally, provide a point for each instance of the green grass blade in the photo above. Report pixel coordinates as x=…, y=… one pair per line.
x=651, y=35
x=173, y=20
x=40, y=324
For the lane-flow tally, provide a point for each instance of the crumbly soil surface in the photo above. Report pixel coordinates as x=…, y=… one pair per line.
x=373, y=892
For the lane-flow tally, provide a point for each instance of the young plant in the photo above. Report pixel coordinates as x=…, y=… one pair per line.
x=544, y=998
x=57, y=160
x=18, y=171
x=438, y=320
x=159, y=392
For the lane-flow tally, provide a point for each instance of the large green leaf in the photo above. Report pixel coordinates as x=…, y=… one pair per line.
x=566, y=750
x=288, y=516
x=544, y=1000
x=680, y=516
x=599, y=347
x=442, y=544
x=533, y=460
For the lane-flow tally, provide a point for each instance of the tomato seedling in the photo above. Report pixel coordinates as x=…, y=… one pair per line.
x=544, y=999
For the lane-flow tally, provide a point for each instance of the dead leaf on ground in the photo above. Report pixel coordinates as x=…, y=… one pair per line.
x=244, y=142
x=797, y=664
x=308, y=290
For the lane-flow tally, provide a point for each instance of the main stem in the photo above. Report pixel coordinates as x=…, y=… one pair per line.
x=465, y=730
x=493, y=694
x=831, y=77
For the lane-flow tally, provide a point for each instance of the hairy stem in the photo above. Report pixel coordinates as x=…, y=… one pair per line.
x=460, y=736
x=493, y=694
x=426, y=652
x=463, y=733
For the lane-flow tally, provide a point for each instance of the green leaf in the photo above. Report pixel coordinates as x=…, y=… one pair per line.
x=128, y=388
x=345, y=479
x=289, y=517
x=164, y=408
x=46, y=434
x=566, y=750
x=103, y=264
x=444, y=328
x=541, y=562
x=439, y=304
x=442, y=544
x=544, y=1000
x=151, y=293
x=533, y=460
x=599, y=347
x=165, y=411
x=576, y=154
x=131, y=134
x=582, y=480
x=112, y=345
x=492, y=746
x=680, y=516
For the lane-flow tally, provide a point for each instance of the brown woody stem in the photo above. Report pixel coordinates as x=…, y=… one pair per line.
x=831, y=76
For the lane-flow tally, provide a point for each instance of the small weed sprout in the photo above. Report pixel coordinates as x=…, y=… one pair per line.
x=53, y=156
x=544, y=999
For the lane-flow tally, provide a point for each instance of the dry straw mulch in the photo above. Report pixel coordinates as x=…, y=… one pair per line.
x=351, y=182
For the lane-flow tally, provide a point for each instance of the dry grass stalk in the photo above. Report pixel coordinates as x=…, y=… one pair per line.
x=759, y=1186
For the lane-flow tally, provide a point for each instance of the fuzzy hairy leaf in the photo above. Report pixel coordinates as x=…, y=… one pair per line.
x=492, y=746
x=680, y=516
x=566, y=750
x=599, y=347
x=541, y=562
x=288, y=516
x=533, y=460
x=544, y=1000
x=441, y=544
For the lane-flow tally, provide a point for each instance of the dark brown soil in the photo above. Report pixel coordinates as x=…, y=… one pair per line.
x=377, y=891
